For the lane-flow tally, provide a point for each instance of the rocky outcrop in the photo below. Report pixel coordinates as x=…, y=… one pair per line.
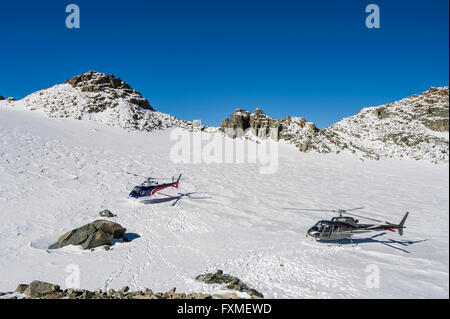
x=296, y=130
x=410, y=128
x=231, y=282
x=102, y=98
x=43, y=290
x=21, y=288
x=39, y=289
x=95, y=234
x=100, y=82
x=106, y=213
x=238, y=122
x=258, y=123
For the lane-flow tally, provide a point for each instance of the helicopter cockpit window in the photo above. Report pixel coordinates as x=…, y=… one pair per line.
x=321, y=225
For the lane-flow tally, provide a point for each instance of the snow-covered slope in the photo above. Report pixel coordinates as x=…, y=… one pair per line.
x=57, y=173
x=416, y=128
x=102, y=98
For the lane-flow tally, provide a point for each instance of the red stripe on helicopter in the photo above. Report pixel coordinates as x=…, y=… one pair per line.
x=390, y=230
x=162, y=187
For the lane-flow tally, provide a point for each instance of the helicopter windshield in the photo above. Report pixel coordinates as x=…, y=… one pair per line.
x=137, y=191
x=321, y=225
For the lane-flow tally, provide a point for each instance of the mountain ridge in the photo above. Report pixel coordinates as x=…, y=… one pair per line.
x=102, y=98
x=414, y=127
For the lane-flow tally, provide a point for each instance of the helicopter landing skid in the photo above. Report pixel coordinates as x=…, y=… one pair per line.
x=331, y=243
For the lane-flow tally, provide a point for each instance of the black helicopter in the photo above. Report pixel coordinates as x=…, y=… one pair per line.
x=343, y=227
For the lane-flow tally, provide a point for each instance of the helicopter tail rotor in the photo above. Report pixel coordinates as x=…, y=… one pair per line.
x=400, y=226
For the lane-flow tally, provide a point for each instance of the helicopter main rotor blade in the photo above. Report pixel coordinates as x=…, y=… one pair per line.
x=348, y=210
x=313, y=210
x=326, y=210
x=373, y=219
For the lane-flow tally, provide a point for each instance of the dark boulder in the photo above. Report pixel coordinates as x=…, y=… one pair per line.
x=39, y=289
x=106, y=213
x=95, y=234
x=231, y=282
x=21, y=288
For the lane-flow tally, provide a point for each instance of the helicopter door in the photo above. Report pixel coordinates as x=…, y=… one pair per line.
x=327, y=230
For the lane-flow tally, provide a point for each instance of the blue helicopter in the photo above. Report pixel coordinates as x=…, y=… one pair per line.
x=150, y=186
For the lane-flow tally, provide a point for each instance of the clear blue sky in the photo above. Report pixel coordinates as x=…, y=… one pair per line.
x=202, y=59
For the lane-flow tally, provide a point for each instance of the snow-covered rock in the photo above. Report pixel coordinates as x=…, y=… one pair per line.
x=414, y=128
x=102, y=98
x=294, y=129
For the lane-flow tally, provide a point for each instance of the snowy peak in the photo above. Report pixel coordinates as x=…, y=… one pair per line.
x=100, y=82
x=431, y=108
x=102, y=98
x=415, y=127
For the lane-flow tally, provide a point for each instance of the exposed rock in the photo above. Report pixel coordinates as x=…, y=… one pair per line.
x=198, y=296
x=57, y=295
x=110, y=292
x=227, y=295
x=148, y=292
x=39, y=289
x=142, y=297
x=106, y=213
x=400, y=129
x=231, y=282
x=238, y=122
x=1, y=98
x=100, y=82
x=95, y=234
x=294, y=129
x=98, y=292
x=124, y=289
x=102, y=98
x=21, y=288
x=172, y=291
x=254, y=294
x=10, y=99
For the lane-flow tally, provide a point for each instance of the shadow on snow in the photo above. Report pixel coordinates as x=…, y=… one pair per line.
x=388, y=242
x=169, y=198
